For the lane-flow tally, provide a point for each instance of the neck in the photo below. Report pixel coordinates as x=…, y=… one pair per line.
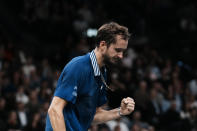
x=99, y=57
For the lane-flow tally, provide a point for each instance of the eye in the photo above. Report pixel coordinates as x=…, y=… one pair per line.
x=118, y=50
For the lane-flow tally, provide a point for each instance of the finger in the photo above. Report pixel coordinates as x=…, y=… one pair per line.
x=130, y=105
x=129, y=99
x=131, y=109
x=131, y=102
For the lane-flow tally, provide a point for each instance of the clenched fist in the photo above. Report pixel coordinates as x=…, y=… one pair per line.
x=127, y=106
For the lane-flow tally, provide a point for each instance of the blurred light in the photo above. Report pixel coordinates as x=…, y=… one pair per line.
x=91, y=32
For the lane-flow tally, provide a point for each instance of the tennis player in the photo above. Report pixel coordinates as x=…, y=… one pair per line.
x=81, y=88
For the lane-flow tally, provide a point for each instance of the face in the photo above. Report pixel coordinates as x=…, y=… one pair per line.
x=114, y=53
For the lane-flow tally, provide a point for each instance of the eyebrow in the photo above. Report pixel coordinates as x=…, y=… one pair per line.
x=120, y=49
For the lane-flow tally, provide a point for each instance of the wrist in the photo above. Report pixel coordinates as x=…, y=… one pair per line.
x=119, y=112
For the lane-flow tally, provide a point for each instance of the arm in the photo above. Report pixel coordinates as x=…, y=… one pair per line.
x=56, y=114
x=104, y=115
x=127, y=106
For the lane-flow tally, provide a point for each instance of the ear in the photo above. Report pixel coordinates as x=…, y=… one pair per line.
x=103, y=46
x=102, y=43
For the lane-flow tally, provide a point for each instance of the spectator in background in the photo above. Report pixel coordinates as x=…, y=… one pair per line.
x=9, y=51
x=22, y=115
x=117, y=125
x=80, y=49
x=141, y=102
x=135, y=127
x=3, y=114
x=43, y=112
x=7, y=86
x=136, y=121
x=33, y=105
x=34, y=81
x=166, y=74
x=21, y=96
x=93, y=128
x=103, y=127
x=45, y=92
x=46, y=70
x=28, y=67
x=185, y=117
x=193, y=102
x=17, y=78
x=56, y=75
x=153, y=71
x=35, y=123
x=154, y=110
x=80, y=25
x=151, y=128
x=12, y=121
x=139, y=68
x=178, y=90
x=171, y=118
x=129, y=58
x=193, y=119
x=86, y=13
x=117, y=128
x=2, y=49
x=193, y=85
x=128, y=79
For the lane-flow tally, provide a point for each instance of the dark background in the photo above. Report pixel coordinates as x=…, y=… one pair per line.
x=169, y=26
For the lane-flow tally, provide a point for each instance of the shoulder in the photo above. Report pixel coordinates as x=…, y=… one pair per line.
x=79, y=64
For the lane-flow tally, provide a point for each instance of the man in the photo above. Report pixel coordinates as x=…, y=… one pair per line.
x=81, y=88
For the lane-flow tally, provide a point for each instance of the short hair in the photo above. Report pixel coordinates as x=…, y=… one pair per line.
x=109, y=31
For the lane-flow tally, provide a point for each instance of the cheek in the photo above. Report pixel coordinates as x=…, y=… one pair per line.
x=111, y=53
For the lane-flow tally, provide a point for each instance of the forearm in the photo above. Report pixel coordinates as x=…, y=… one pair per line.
x=57, y=120
x=127, y=106
x=104, y=115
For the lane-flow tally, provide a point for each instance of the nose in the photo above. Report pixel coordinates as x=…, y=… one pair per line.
x=120, y=55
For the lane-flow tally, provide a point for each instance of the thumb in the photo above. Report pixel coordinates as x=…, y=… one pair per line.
x=124, y=101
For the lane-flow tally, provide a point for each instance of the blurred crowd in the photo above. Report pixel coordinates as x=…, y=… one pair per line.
x=164, y=90
x=158, y=70
x=25, y=90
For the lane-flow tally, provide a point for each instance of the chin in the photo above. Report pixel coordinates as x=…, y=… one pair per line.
x=113, y=63
x=116, y=61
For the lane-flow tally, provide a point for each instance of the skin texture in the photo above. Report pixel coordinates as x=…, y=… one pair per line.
x=105, y=54
x=56, y=115
x=112, y=54
x=115, y=51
